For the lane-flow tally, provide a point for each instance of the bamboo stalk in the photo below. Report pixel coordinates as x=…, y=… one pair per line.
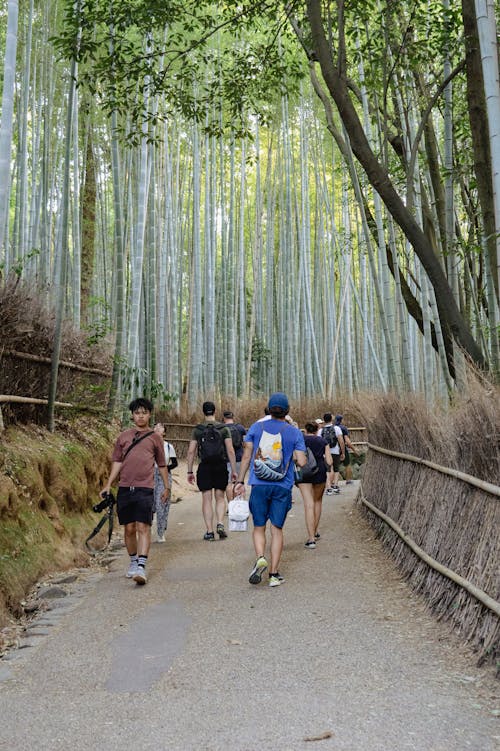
x=488, y=487
x=483, y=597
x=62, y=363
x=6, y=398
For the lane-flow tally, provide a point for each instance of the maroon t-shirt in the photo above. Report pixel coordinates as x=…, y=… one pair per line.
x=138, y=466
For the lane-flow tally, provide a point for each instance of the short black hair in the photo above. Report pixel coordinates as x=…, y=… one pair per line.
x=278, y=412
x=141, y=402
x=311, y=427
x=327, y=417
x=208, y=408
x=228, y=413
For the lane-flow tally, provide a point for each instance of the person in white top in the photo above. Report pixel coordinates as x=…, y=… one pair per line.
x=162, y=509
x=333, y=434
x=267, y=415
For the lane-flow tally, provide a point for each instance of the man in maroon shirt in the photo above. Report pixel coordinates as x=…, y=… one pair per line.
x=134, y=456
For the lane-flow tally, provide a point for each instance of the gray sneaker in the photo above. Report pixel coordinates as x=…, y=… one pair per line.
x=132, y=570
x=140, y=575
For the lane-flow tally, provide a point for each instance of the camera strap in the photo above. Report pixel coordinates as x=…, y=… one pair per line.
x=108, y=517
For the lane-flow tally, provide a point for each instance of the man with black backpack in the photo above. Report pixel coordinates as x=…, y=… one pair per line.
x=212, y=440
x=238, y=433
x=134, y=456
x=333, y=434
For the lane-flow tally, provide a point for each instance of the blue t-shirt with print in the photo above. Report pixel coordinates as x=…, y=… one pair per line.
x=291, y=440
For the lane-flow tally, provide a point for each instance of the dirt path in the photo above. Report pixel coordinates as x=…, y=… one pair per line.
x=342, y=654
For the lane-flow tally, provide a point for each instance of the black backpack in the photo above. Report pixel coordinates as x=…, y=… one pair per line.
x=211, y=444
x=235, y=436
x=329, y=434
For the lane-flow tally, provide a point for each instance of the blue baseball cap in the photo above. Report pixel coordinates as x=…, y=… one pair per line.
x=279, y=399
x=339, y=418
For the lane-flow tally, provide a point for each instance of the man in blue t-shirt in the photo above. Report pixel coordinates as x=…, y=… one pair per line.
x=271, y=448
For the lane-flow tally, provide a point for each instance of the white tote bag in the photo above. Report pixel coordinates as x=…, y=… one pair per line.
x=238, y=513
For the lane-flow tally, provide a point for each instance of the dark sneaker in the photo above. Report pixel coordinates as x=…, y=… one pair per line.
x=221, y=531
x=209, y=536
x=329, y=491
x=311, y=544
x=317, y=536
x=276, y=579
x=257, y=571
x=335, y=489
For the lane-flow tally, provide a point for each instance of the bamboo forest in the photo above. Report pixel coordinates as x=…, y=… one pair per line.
x=238, y=197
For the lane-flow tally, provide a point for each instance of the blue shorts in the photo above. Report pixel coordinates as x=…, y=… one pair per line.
x=271, y=502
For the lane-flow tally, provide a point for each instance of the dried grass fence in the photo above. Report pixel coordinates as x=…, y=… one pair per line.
x=27, y=323
x=441, y=523
x=86, y=387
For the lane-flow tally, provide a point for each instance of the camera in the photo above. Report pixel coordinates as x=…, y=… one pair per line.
x=106, y=502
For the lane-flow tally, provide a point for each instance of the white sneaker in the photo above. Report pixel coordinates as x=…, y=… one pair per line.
x=132, y=570
x=161, y=539
x=275, y=580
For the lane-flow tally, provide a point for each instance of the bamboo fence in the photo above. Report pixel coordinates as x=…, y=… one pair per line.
x=441, y=526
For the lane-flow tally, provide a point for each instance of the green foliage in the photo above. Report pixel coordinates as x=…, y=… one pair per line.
x=17, y=267
x=401, y=35
x=194, y=54
x=100, y=328
x=137, y=380
x=161, y=398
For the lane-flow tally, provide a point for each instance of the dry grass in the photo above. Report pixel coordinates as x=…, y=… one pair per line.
x=455, y=523
x=247, y=411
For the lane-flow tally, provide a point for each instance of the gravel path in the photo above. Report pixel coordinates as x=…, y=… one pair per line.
x=341, y=657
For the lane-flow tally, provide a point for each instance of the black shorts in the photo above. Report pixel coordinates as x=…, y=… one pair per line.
x=336, y=462
x=135, y=505
x=347, y=459
x=212, y=476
